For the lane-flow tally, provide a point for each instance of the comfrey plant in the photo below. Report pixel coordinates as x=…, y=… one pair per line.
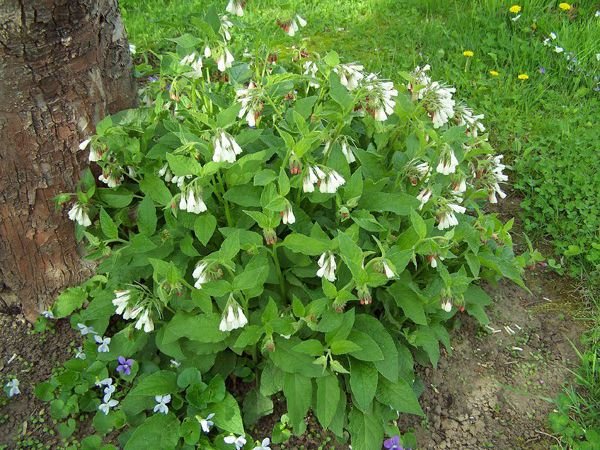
x=299, y=227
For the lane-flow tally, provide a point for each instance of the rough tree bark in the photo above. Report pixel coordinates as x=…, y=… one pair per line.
x=64, y=64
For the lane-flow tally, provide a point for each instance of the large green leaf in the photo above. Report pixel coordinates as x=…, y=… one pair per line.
x=146, y=216
x=306, y=245
x=398, y=203
x=398, y=395
x=157, y=383
x=363, y=383
x=227, y=415
x=158, y=432
x=109, y=228
x=256, y=406
x=409, y=301
x=70, y=300
x=328, y=397
x=204, y=227
x=366, y=430
x=196, y=327
x=370, y=351
x=156, y=188
x=388, y=366
x=298, y=394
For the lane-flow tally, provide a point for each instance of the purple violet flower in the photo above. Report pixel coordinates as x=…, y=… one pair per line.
x=393, y=443
x=125, y=365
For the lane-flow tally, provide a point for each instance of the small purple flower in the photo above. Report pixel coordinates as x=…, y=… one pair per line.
x=125, y=365
x=393, y=443
x=542, y=70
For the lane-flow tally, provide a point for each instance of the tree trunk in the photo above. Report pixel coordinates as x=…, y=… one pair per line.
x=64, y=64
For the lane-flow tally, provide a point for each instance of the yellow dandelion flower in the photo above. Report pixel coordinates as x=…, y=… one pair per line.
x=515, y=9
x=523, y=76
x=468, y=53
x=494, y=73
x=564, y=6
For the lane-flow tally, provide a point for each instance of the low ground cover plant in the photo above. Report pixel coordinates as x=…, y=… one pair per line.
x=274, y=225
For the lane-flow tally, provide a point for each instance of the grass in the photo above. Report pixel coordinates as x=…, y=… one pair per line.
x=576, y=419
x=546, y=125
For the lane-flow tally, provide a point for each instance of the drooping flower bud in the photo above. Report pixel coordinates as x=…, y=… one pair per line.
x=270, y=236
x=364, y=295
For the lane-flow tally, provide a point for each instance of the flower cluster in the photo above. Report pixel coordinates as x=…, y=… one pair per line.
x=233, y=316
x=252, y=103
x=327, y=179
x=79, y=214
x=108, y=389
x=226, y=148
x=139, y=310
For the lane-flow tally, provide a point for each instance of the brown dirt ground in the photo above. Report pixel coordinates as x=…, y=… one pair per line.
x=30, y=357
x=492, y=392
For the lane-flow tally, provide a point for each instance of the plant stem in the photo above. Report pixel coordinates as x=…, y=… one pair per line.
x=279, y=272
x=221, y=185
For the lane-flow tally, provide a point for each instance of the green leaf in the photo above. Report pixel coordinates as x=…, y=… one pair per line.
x=182, y=165
x=328, y=397
x=204, y=227
x=339, y=93
x=115, y=198
x=256, y=406
x=156, y=188
x=146, y=216
x=246, y=196
x=425, y=338
x=366, y=430
x=398, y=395
x=264, y=177
x=363, y=383
x=343, y=346
x=260, y=218
x=188, y=377
x=228, y=116
x=254, y=275
x=109, y=228
x=298, y=394
x=157, y=383
x=196, y=327
x=284, y=183
x=332, y=59
x=409, y=301
x=249, y=336
x=388, y=366
x=418, y=224
x=305, y=245
x=291, y=361
x=70, y=300
x=45, y=391
x=397, y=203
x=159, y=432
x=227, y=415
x=190, y=431
x=370, y=351
x=310, y=347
